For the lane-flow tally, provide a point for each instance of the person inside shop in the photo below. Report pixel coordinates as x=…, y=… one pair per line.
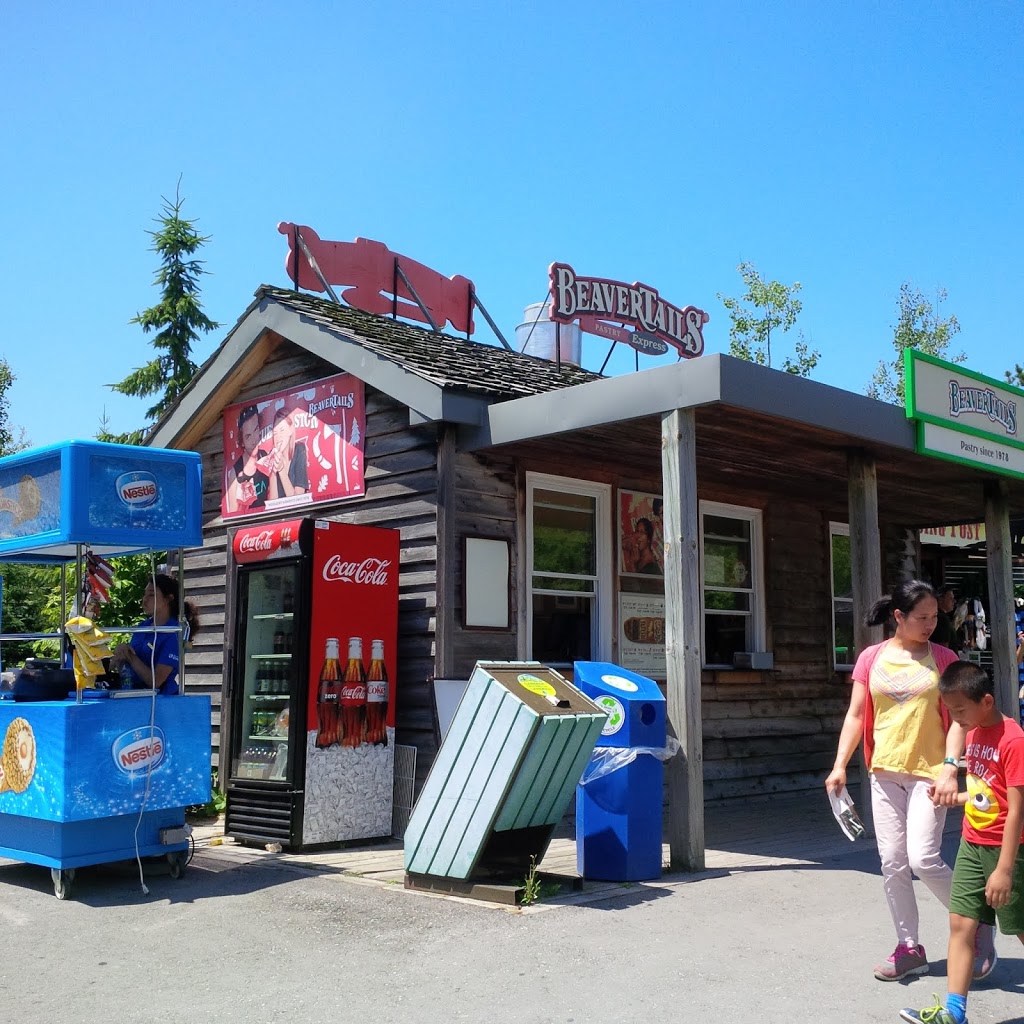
x=151, y=659
x=944, y=633
x=912, y=750
x=289, y=467
x=246, y=484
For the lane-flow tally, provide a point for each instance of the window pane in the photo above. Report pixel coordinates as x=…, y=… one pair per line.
x=561, y=628
x=561, y=583
x=722, y=526
x=842, y=581
x=563, y=533
x=727, y=600
x=845, y=654
x=723, y=636
x=726, y=564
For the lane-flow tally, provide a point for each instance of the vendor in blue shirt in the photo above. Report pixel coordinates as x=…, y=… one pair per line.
x=152, y=658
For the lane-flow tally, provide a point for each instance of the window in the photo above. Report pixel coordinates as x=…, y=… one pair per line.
x=569, y=570
x=842, y=596
x=732, y=598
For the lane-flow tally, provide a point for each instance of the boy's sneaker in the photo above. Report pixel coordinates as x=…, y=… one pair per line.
x=905, y=960
x=936, y=1014
x=985, y=957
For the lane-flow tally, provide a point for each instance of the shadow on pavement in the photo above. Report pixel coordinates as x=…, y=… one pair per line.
x=117, y=883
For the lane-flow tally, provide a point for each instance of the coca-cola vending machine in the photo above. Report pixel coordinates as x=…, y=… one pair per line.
x=312, y=698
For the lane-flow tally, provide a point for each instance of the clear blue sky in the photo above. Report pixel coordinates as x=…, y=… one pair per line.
x=848, y=146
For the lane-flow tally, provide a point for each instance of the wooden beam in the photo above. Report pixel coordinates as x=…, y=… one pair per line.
x=447, y=554
x=865, y=572
x=865, y=546
x=682, y=639
x=999, y=559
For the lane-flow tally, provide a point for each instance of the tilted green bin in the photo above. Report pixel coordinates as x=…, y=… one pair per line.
x=505, y=774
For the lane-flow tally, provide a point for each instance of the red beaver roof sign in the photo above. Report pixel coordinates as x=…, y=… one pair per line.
x=370, y=269
x=593, y=300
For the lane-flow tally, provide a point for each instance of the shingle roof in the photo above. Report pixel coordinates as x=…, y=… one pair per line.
x=444, y=360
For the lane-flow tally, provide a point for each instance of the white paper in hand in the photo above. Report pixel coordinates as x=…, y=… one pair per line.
x=846, y=814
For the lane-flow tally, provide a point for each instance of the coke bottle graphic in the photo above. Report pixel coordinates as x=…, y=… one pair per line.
x=377, y=697
x=327, y=697
x=353, y=696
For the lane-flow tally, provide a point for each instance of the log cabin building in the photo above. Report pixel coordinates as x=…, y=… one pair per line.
x=777, y=508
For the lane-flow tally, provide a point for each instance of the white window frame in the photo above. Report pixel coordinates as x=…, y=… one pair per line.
x=754, y=517
x=836, y=530
x=601, y=637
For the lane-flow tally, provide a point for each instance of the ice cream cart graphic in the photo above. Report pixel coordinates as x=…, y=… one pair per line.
x=95, y=778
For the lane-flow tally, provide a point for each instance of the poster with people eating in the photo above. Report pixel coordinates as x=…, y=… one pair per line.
x=641, y=534
x=295, y=448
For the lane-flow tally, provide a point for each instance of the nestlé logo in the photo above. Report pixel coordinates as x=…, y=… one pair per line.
x=137, y=489
x=139, y=750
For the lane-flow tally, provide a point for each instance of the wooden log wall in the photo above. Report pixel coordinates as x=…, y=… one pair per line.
x=401, y=482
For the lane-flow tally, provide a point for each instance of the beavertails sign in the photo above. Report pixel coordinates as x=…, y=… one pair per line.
x=594, y=301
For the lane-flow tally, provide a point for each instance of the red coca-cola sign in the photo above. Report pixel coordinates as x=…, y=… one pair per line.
x=258, y=543
x=370, y=571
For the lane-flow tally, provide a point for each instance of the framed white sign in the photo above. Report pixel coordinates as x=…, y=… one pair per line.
x=486, y=576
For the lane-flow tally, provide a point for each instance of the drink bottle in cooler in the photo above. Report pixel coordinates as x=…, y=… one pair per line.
x=377, y=697
x=353, y=697
x=327, y=697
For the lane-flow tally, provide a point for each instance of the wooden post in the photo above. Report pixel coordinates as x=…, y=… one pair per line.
x=447, y=555
x=1002, y=633
x=682, y=639
x=865, y=572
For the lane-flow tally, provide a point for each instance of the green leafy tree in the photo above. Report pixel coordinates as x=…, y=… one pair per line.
x=177, y=319
x=919, y=326
x=1015, y=376
x=766, y=307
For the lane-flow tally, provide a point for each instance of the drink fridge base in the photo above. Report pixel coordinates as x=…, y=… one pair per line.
x=312, y=752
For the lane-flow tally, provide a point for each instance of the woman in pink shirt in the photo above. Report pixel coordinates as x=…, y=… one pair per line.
x=910, y=746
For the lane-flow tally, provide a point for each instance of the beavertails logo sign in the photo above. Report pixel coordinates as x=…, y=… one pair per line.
x=594, y=301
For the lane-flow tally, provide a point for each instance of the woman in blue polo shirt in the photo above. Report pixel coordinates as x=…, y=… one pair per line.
x=152, y=658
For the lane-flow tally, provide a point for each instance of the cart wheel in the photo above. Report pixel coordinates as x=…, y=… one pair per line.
x=177, y=862
x=62, y=881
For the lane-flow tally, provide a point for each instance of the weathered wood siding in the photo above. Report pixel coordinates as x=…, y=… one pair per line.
x=401, y=481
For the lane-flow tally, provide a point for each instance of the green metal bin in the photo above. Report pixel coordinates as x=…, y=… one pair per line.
x=505, y=774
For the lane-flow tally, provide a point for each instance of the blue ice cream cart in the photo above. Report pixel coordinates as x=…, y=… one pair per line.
x=96, y=778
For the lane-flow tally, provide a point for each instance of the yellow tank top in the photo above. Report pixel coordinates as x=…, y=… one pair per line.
x=908, y=731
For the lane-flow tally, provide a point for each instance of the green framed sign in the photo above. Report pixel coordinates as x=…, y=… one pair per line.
x=963, y=416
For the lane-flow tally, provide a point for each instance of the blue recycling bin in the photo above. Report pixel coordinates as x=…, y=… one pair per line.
x=618, y=814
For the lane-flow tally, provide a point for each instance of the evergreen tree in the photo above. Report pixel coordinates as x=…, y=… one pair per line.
x=177, y=318
x=918, y=326
x=773, y=307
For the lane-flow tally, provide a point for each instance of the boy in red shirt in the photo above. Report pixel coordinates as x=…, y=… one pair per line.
x=988, y=878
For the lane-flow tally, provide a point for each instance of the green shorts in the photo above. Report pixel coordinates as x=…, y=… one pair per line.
x=974, y=864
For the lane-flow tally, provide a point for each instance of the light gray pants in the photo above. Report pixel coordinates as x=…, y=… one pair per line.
x=908, y=829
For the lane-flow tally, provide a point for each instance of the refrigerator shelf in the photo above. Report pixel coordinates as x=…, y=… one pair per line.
x=267, y=696
x=270, y=657
x=273, y=615
x=267, y=738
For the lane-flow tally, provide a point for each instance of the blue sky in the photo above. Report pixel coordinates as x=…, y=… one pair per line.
x=848, y=146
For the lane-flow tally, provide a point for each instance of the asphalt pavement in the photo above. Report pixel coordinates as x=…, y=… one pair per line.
x=250, y=937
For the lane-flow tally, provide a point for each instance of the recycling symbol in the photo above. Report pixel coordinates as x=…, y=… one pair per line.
x=616, y=714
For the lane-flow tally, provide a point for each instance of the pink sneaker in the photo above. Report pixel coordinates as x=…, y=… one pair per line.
x=985, y=957
x=905, y=960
